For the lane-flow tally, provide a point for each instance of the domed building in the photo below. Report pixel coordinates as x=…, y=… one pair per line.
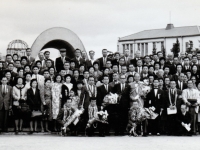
x=17, y=47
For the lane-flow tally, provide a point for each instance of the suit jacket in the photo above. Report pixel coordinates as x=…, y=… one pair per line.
x=124, y=95
x=59, y=64
x=134, y=61
x=34, y=100
x=173, y=69
x=78, y=63
x=184, y=86
x=101, y=93
x=30, y=61
x=88, y=64
x=6, y=99
x=128, y=60
x=184, y=68
x=155, y=100
x=137, y=69
x=100, y=60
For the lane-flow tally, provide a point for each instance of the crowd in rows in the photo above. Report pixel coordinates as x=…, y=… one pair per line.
x=43, y=91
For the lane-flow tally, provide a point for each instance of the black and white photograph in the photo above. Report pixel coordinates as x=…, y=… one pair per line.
x=99, y=75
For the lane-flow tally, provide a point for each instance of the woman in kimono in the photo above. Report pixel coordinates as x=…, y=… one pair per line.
x=56, y=96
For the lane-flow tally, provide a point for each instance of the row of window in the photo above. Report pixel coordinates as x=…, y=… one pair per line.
x=143, y=47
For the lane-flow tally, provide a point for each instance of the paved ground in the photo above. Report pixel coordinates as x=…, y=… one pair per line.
x=54, y=142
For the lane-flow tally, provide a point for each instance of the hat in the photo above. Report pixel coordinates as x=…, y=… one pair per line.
x=63, y=50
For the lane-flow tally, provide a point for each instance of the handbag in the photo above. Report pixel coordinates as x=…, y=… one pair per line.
x=16, y=103
x=171, y=111
x=25, y=108
x=36, y=113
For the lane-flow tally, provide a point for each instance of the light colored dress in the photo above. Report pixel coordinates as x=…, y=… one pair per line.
x=48, y=101
x=56, y=92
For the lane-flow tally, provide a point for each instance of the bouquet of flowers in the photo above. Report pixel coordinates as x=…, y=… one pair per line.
x=110, y=99
x=74, y=118
x=102, y=117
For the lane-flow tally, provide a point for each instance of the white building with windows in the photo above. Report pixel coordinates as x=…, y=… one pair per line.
x=146, y=40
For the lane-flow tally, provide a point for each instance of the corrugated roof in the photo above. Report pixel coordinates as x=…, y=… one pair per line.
x=160, y=33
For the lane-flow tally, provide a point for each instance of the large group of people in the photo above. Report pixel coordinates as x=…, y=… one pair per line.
x=156, y=95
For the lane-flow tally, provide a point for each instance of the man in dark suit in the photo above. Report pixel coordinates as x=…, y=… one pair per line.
x=102, y=91
x=154, y=101
x=5, y=103
x=78, y=60
x=180, y=84
x=138, y=68
x=186, y=65
x=173, y=101
x=59, y=63
x=103, y=60
x=30, y=60
x=123, y=90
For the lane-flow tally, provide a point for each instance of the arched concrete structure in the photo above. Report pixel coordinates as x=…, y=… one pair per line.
x=57, y=37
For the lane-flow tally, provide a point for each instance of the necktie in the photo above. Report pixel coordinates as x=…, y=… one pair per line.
x=181, y=85
x=4, y=89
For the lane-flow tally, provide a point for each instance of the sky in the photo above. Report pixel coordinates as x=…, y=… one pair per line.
x=98, y=23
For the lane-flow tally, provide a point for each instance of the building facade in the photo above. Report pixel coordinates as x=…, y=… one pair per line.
x=160, y=39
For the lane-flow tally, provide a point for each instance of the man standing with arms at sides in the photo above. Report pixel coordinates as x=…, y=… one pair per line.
x=154, y=101
x=5, y=103
x=123, y=90
x=30, y=60
x=103, y=60
x=59, y=62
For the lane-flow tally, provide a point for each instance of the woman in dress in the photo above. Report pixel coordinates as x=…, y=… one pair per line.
x=19, y=98
x=56, y=96
x=35, y=103
x=48, y=106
